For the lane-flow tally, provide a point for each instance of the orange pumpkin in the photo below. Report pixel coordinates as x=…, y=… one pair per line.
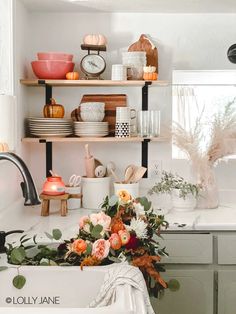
x=72, y=76
x=147, y=76
x=95, y=39
x=53, y=110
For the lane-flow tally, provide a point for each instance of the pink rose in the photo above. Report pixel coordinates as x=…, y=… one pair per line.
x=115, y=241
x=83, y=221
x=124, y=236
x=101, y=219
x=101, y=248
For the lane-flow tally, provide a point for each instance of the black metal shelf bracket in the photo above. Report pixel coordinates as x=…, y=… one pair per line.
x=48, y=145
x=145, y=155
x=145, y=95
x=145, y=141
x=48, y=148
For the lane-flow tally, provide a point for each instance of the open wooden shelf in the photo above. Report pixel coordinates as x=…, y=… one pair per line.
x=89, y=139
x=98, y=83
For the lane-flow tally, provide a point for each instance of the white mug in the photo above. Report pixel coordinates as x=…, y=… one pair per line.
x=74, y=202
x=125, y=114
x=119, y=72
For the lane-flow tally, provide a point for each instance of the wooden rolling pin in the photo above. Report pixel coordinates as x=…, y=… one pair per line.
x=89, y=163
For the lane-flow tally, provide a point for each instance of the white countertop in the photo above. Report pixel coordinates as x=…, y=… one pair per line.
x=29, y=220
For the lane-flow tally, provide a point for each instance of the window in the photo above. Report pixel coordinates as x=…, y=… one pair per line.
x=6, y=48
x=7, y=100
x=200, y=94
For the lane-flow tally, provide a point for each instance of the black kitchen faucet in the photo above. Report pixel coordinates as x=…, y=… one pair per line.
x=3, y=236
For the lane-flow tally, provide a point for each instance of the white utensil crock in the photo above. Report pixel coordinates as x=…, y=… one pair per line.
x=131, y=188
x=94, y=191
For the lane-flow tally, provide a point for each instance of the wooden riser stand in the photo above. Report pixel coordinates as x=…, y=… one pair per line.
x=45, y=211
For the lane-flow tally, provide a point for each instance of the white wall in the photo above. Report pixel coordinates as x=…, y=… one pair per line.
x=184, y=41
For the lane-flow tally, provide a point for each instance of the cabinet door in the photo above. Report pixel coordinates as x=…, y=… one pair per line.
x=227, y=291
x=194, y=297
x=188, y=248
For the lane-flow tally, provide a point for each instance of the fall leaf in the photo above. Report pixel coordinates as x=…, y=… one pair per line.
x=90, y=261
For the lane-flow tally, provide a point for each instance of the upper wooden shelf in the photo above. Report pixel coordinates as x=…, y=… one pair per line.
x=101, y=83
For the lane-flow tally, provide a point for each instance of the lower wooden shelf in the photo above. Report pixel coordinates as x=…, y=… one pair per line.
x=89, y=139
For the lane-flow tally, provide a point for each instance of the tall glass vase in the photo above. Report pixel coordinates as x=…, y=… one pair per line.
x=209, y=195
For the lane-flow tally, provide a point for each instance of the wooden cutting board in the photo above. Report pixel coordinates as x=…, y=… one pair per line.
x=145, y=44
x=111, y=102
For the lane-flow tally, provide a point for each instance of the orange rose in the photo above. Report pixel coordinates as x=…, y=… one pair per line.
x=124, y=196
x=115, y=241
x=79, y=246
x=124, y=236
x=117, y=225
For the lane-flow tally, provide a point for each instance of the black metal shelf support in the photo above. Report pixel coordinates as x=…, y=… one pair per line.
x=48, y=145
x=145, y=141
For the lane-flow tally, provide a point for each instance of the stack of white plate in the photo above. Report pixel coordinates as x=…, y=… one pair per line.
x=48, y=127
x=91, y=129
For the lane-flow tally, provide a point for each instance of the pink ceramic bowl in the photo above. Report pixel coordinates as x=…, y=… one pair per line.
x=54, y=56
x=51, y=69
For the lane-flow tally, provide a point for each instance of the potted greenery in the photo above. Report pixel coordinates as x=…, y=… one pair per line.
x=183, y=193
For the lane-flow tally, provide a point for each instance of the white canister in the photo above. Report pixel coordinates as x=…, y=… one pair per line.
x=74, y=202
x=94, y=191
x=131, y=188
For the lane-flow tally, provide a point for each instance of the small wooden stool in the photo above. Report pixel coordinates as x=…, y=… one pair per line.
x=46, y=203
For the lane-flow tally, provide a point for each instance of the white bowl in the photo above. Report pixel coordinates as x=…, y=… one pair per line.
x=98, y=106
x=92, y=116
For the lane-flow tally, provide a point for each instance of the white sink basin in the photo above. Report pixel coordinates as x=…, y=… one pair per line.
x=54, y=289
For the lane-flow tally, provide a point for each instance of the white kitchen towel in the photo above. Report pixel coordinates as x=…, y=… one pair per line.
x=122, y=274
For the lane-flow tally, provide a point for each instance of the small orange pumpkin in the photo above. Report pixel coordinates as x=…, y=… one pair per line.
x=72, y=76
x=53, y=110
x=150, y=76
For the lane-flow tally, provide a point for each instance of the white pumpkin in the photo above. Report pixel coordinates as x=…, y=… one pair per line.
x=95, y=39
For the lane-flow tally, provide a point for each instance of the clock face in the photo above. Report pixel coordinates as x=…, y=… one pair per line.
x=93, y=64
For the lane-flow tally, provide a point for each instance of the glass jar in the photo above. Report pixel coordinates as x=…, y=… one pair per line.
x=54, y=186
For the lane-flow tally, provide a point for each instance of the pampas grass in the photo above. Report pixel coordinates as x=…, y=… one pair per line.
x=222, y=142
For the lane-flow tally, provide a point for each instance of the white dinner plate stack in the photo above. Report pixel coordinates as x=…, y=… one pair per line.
x=50, y=127
x=91, y=129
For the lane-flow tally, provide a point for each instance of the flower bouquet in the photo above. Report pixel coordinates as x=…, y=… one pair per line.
x=126, y=230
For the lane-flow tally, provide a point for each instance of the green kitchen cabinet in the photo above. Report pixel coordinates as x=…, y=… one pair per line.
x=195, y=295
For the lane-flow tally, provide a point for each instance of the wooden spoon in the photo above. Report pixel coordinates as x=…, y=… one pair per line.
x=128, y=174
x=138, y=174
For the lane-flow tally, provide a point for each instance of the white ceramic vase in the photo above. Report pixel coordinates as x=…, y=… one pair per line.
x=208, y=197
x=183, y=205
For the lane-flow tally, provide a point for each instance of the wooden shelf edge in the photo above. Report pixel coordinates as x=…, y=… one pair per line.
x=95, y=83
x=89, y=139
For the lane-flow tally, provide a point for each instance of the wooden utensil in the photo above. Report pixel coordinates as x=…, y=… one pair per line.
x=138, y=174
x=145, y=44
x=115, y=176
x=128, y=174
x=111, y=102
x=89, y=163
